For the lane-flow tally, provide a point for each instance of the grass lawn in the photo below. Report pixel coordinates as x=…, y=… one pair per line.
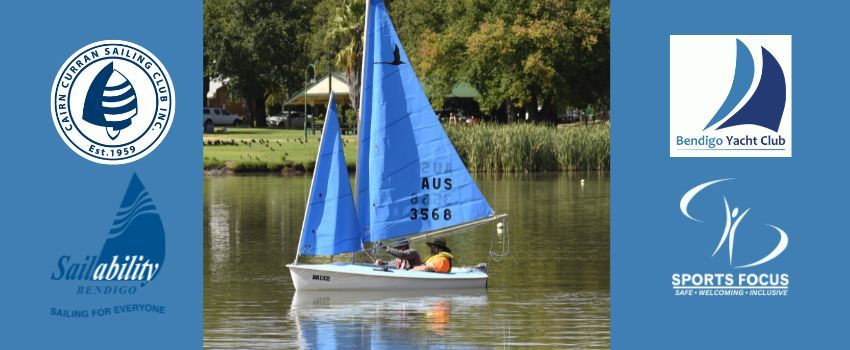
x=484, y=148
x=259, y=149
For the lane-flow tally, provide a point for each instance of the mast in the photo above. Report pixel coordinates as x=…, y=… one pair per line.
x=357, y=166
x=360, y=108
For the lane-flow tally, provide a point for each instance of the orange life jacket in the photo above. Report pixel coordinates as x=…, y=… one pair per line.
x=441, y=261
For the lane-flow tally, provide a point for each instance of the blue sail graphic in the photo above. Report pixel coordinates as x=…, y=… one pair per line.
x=136, y=231
x=330, y=224
x=110, y=101
x=741, y=82
x=766, y=106
x=410, y=178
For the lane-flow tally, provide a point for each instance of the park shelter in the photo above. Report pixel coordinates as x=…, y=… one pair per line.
x=318, y=90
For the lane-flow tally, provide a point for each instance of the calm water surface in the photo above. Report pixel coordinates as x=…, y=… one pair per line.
x=551, y=291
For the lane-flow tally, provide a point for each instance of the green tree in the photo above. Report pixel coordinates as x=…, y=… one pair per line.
x=524, y=54
x=258, y=46
x=338, y=33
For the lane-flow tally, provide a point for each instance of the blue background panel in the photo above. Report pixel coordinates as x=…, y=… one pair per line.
x=57, y=203
x=804, y=194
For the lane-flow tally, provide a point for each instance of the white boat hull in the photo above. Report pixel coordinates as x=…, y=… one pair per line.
x=366, y=277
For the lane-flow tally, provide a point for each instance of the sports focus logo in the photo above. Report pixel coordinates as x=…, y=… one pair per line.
x=112, y=102
x=730, y=283
x=730, y=96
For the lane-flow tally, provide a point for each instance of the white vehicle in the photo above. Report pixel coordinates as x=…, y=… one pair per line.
x=289, y=120
x=218, y=116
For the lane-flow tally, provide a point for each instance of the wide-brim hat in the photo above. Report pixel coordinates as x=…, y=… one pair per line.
x=439, y=242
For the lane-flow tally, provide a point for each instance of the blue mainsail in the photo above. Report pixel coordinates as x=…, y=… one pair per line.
x=410, y=178
x=330, y=224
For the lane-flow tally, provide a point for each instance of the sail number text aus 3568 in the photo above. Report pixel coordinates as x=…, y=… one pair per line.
x=421, y=203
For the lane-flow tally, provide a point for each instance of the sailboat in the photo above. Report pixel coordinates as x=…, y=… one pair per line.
x=409, y=184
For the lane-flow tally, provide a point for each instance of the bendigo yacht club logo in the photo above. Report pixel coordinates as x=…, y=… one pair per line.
x=730, y=96
x=112, y=102
x=726, y=283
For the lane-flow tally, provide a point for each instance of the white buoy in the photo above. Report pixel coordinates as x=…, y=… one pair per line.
x=500, y=229
x=582, y=182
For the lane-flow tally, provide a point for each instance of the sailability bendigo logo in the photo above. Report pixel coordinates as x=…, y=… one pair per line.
x=131, y=257
x=730, y=96
x=740, y=283
x=112, y=102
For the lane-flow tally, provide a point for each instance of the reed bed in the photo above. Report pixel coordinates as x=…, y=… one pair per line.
x=483, y=148
x=532, y=147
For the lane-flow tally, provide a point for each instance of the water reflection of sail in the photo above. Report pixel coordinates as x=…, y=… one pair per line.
x=376, y=319
x=110, y=101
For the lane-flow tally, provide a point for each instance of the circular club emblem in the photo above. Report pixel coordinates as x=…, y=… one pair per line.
x=112, y=102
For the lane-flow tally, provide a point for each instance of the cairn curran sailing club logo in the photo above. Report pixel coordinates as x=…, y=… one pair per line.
x=131, y=258
x=730, y=96
x=725, y=283
x=112, y=102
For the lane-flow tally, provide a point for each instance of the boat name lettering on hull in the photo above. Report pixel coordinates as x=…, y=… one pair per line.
x=322, y=278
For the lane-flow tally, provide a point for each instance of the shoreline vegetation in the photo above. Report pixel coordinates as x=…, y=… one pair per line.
x=484, y=148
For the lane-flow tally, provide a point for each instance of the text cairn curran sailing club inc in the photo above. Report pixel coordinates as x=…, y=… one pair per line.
x=112, y=102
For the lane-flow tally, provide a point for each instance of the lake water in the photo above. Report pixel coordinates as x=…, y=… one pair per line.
x=552, y=290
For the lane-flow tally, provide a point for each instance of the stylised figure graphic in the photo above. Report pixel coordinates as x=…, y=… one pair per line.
x=110, y=101
x=730, y=227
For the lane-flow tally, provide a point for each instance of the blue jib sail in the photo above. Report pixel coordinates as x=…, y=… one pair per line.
x=410, y=178
x=330, y=224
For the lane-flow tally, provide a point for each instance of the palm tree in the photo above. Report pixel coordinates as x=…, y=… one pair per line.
x=346, y=32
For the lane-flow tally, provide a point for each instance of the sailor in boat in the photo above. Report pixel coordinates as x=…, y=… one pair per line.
x=441, y=258
x=405, y=258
